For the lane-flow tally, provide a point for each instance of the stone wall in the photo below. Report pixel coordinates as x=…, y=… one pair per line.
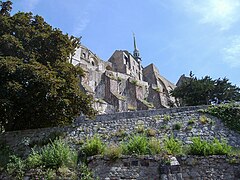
x=108, y=127
x=154, y=167
x=111, y=127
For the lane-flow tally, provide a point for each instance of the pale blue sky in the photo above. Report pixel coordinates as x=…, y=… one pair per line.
x=178, y=36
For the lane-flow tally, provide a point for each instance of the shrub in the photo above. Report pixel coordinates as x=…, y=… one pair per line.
x=53, y=155
x=113, y=152
x=172, y=146
x=203, y=147
x=136, y=145
x=93, y=146
x=228, y=113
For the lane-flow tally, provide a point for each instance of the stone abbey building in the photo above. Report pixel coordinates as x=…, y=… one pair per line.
x=122, y=83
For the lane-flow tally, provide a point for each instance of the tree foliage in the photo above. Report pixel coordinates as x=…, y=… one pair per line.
x=193, y=91
x=39, y=87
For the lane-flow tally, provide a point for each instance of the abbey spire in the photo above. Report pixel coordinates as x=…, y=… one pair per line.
x=136, y=53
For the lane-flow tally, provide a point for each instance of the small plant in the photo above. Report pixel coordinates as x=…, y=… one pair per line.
x=189, y=128
x=203, y=147
x=151, y=132
x=119, y=79
x=113, y=152
x=140, y=128
x=158, y=90
x=16, y=167
x=157, y=117
x=191, y=121
x=93, y=146
x=134, y=82
x=53, y=155
x=85, y=173
x=172, y=146
x=154, y=146
x=120, y=133
x=163, y=126
x=177, y=126
x=136, y=145
x=166, y=117
x=203, y=119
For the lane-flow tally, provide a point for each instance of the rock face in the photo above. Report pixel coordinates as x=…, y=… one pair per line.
x=121, y=83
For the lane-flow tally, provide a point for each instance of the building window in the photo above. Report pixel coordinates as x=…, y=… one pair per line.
x=84, y=55
x=93, y=63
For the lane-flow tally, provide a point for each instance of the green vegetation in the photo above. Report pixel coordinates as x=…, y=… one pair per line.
x=203, y=147
x=136, y=145
x=166, y=117
x=93, y=146
x=57, y=160
x=54, y=155
x=39, y=87
x=140, y=128
x=203, y=119
x=195, y=91
x=228, y=113
x=177, y=126
x=173, y=146
x=151, y=132
x=15, y=167
x=191, y=121
x=52, y=160
x=134, y=82
x=113, y=152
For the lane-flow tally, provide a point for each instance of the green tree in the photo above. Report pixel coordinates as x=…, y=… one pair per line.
x=193, y=91
x=6, y=8
x=39, y=87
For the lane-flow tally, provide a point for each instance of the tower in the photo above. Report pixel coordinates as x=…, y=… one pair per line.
x=136, y=53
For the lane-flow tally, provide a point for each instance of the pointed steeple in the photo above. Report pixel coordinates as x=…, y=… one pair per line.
x=136, y=53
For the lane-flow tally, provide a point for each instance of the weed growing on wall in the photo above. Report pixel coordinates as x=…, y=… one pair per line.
x=203, y=119
x=93, y=146
x=177, y=126
x=136, y=145
x=228, y=113
x=166, y=117
x=154, y=146
x=53, y=155
x=16, y=167
x=173, y=146
x=113, y=151
x=203, y=147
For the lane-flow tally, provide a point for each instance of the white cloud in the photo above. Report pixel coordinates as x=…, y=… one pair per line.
x=30, y=5
x=222, y=13
x=81, y=25
x=83, y=18
x=232, y=52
